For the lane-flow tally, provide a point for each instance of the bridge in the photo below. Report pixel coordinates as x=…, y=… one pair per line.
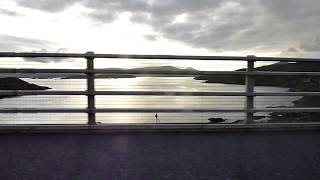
x=247, y=149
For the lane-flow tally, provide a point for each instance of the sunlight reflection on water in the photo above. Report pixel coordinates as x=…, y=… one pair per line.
x=136, y=84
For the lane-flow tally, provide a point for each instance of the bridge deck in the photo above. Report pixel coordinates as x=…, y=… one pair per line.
x=174, y=155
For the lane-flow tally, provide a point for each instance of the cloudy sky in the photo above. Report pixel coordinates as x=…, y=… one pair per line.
x=216, y=27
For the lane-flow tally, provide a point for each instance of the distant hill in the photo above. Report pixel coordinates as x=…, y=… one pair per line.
x=294, y=82
x=164, y=68
x=290, y=67
x=101, y=76
x=144, y=69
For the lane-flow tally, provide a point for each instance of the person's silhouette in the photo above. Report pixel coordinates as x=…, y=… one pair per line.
x=156, y=116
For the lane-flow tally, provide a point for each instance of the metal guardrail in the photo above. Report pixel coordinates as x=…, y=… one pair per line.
x=90, y=72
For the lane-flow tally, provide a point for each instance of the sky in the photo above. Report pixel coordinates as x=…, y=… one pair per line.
x=285, y=28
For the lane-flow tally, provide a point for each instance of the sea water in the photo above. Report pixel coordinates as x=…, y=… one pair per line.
x=136, y=84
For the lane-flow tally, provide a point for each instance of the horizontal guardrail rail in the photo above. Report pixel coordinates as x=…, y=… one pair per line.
x=154, y=93
x=90, y=72
x=155, y=72
x=134, y=56
x=254, y=73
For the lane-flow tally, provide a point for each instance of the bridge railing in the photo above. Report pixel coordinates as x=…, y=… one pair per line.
x=91, y=92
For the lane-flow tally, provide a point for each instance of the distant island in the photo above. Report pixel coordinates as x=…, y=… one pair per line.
x=163, y=68
x=13, y=83
x=145, y=71
x=101, y=76
x=294, y=83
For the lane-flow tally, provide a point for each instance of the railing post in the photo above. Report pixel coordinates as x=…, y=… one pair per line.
x=249, y=90
x=90, y=88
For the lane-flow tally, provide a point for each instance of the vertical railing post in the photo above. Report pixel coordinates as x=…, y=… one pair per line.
x=90, y=88
x=249, y=90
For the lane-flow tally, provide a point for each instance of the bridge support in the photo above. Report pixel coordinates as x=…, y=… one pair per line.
x=249, y=90
x=91, y=89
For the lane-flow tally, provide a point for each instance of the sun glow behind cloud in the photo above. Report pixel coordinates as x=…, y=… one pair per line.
x=70, y=29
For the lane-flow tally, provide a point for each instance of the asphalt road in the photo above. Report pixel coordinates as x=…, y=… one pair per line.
x=153, y=156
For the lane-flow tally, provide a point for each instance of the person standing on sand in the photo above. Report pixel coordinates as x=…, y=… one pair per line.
x=156, y=116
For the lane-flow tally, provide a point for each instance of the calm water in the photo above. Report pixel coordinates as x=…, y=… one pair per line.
x=136, y=84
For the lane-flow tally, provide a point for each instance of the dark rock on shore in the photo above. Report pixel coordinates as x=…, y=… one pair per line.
x=237, y=122
x=12, y=83
x=216, y=120
x=259, y=117
x=290, y=117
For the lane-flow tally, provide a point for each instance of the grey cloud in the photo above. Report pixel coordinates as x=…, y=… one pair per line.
x=245, y=25
x=47, y=60
x=311, y=45
x=20, y=44
x=140, y=18
x=9, y=12
x=292, y=49
x=105, y=17
x=264, y=25
x=291, y=9
x=220, y=28
x=291, y=52
x=151, y=37
x=125, y=5
x=107, y=11
x=223, y=25
x=47, y=5
x=14, y=43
